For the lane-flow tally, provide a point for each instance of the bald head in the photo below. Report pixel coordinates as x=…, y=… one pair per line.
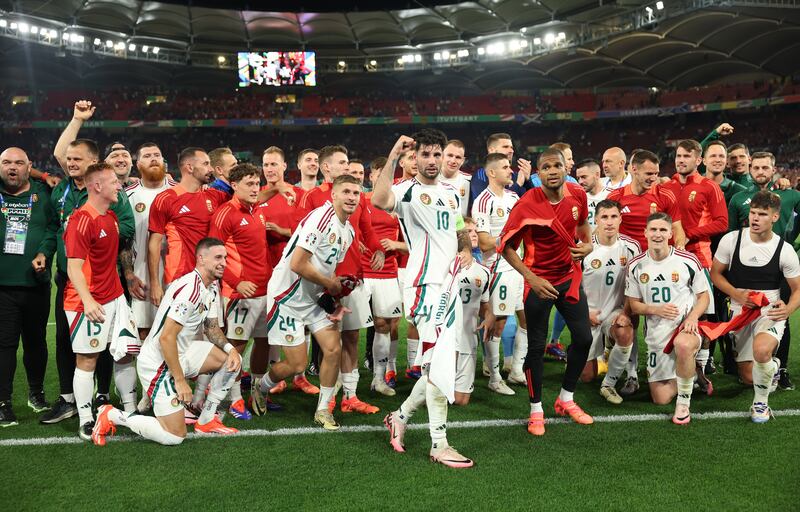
x=614, y=163
x=15, y=168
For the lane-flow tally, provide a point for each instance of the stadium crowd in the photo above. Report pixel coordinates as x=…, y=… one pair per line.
x=162, y=283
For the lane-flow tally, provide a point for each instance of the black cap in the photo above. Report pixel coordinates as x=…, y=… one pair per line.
x=116, y=146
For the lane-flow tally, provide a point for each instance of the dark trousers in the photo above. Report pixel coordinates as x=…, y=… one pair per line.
x=23, y=312
x=65, y=357
x=537, y=314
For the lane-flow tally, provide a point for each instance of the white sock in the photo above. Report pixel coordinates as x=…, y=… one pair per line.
x=411, y=354
x=536, y=407
x=437, y=416
x=702, y=357
x=349, y=383
x=325, y=395
x=685, y=387
x=267, y=383
x=391, y=365
x=83, y=386
x=617, y=359
x=200, y=387
x=493, y=358
x=220, y=385
x=565, y=396
x=125, y=381
x=520, y=350
x=632, y=368
x=380, y=353
x=507, y=362
x=146, y=426
x=248, y=351
x=762, y=380
x=68, y=397
x=414, y=401
x=235, y=394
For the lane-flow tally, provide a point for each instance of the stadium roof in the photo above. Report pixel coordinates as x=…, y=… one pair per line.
x=605, y=44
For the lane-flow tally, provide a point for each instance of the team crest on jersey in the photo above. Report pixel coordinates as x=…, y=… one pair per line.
x=478, y=282
x=289, y=338
x=35, y=198
x=140, y=207
x=261, y=217
x=692, y=195
x=209, y=205
x=502, y=307
x=332, y=238
x=675, y=276
x=596, y=264
x=653, y=208
x=500, y=212
x=463, y=191
x=239, y=331
x=94, y=342
x=425, y=198
x=575, y=212
x=644, y=278
x=623, y=260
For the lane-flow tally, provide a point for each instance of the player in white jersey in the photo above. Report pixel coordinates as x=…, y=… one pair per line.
x=588, y=173
x=428, y=211
x=604, y=282
x=452, y=175
x=614, y=169
x=669, y=288
x=490, y=211
x=301, y=283
x=473, y=288
x=756, y=259
x=172, y=353
x=154, y=180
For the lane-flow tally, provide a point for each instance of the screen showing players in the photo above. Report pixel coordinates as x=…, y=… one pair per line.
x=277, y=68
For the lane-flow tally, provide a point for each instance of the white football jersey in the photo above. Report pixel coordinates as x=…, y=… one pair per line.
x=473, y=287
x=490, y=213
x=327, y=239
x=677, y=279
x=141, y=198
x=592, y=200
x=189, y=302
x=428, y=215
x=461, y=182
x=610, y=186
x=604, y=274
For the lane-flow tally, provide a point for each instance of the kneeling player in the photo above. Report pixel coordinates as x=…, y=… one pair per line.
x=304, y=273
x=668, y=287
x=604, y=282
x=756, y=259
x=172, y=354
x=473, y=288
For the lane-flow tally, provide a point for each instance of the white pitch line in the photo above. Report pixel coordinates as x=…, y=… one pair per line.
x=281, y=432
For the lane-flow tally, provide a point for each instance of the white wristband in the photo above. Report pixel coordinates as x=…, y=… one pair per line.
x=227, y=348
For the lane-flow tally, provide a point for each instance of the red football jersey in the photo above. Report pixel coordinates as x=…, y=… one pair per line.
x=547, y=254
x=183, y=217
x=279, y=211
x=93, y=238
x=241, y=228
x=636, y=209
x=703, y=213
x=385, y=226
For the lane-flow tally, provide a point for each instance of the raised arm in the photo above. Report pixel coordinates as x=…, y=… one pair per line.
x=83, y=112
x=382, y=192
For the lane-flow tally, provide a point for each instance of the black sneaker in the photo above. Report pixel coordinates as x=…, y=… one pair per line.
x=711, y=368
x=60, y=410
x=312, y=369
x=37, y=402
x=99, y=401
x=7, y=416
x=85, y=431
x=784, y=382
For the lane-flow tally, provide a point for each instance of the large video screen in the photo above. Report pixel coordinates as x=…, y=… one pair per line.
x=277, y=68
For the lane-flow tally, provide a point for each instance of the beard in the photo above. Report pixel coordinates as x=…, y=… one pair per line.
x=154, y=173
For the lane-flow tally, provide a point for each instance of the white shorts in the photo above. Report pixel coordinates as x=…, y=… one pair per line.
x=144, y=312
x=286, y=325
x=711, y=309
x=401, y=274
x=661, y=366
x=599, y=333
x=465, y=373
x=245, y=318
x=506, y=290
x=360, y=315
x=157, y=381
x=423, y=304
x=117, y=329
x=387, y=301
x=743, y=338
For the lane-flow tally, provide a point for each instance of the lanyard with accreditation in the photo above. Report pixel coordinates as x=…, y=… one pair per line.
x=18, y=217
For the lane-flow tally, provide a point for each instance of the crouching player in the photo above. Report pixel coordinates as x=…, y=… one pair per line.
x=473, y=288
x=756, y=259
x=604, y=283
x=306, y=270
x=171, y=354
x=669, y=288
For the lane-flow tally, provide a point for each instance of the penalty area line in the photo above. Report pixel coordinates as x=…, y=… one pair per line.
x=298, y=431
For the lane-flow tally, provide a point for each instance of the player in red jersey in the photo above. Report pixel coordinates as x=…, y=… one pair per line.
x=333, y=162
x=308, y=165
x=645, y=196
x=547, y=220
x=94, y=303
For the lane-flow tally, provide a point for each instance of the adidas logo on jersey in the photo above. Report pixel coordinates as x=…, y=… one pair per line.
x=610, y=263
x=660, y=278
x=626, y=210
x=103, y=233
x=439, y=202
x=244, y=222
x=396, y=311
x=184, y=209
